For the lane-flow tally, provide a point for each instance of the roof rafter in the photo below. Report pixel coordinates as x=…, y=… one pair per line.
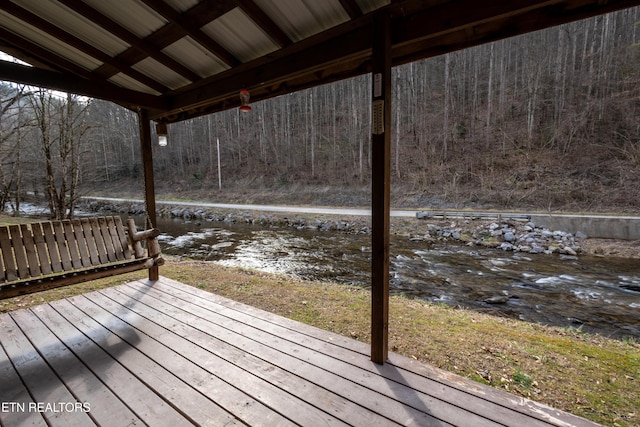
x=258, y=16
x=196, y=17
x=177, y=20
x=307, y=56
x=142, y=45
x=352, y=8
x=494, y=21
x=48, y=79
x=80, y=45
x=21, y=46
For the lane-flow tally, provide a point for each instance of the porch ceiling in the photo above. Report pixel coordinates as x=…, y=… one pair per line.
x=185, y=58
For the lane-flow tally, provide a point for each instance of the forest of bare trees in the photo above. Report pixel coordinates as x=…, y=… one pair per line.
x=43, y=139
x=549, y=120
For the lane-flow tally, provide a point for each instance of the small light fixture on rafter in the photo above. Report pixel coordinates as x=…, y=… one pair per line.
x=161, y=130
x=244, y=101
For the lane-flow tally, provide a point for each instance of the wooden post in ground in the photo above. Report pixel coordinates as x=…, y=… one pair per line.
x=149, y=184
x=380, y=186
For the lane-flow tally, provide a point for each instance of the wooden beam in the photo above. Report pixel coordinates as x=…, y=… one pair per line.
x=64, y=82
x=352, y=8
x=149, y=184
x=343, y=43
x=143, y=45
x=357, y=66
x=196, y=17
x=176, y=19
x=380, y=186
x=416, y=34
x=420, y=29
x=261, y=19
x=33, y=54
x=79, y=44
x=421, y=32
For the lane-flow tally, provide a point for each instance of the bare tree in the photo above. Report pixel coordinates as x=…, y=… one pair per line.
x=13, y=120
x=62, y=127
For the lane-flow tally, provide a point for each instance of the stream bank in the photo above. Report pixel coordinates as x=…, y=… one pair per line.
x=504, y=233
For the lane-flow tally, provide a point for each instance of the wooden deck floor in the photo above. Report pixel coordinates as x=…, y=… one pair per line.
x=168, y=354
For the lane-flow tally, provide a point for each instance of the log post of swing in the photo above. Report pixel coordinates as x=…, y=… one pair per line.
x=149, y=184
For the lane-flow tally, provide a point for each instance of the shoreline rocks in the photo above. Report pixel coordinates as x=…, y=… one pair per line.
x=507, y=235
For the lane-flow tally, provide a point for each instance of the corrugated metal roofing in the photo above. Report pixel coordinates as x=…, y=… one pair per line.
x=300, y=19
x=77, y=25
x=44, y=40
x=133, y=15
x=187, y=50
x=194, y=55
x=182, y=5
x=160, y=73
x=123, y=80
x=371, y=5
x=236, y=32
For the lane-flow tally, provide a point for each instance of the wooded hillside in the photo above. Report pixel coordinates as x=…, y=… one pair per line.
x=549, y=120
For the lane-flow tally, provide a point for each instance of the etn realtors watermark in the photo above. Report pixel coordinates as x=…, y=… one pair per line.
x=50, y=407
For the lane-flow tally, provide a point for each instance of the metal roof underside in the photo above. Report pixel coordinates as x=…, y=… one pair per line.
x=185, y=58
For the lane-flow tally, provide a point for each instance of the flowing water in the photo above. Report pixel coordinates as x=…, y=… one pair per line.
x=588, y=293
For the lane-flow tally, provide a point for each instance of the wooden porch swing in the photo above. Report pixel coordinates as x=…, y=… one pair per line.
x=50, y=254
x=45, y=255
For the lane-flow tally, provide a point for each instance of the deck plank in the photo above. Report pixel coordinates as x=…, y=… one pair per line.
x=43, y=384
x=189, y=373
x=169, y=402
x=353, y=365
x=79, y=379
x=166, y=354
x=148, y=406
x=404, y=405
x=288, y=373
x=269, y=394
x=477, y=398
x=15, y=396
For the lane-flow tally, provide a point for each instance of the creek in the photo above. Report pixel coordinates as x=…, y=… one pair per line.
x=592, y=294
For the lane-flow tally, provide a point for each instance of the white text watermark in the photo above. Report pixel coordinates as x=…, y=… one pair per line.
x=51, y=407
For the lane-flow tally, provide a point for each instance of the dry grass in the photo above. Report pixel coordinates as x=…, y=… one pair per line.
x=590, y=376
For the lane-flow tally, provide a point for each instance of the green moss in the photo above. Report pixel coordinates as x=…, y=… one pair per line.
x=522, y=379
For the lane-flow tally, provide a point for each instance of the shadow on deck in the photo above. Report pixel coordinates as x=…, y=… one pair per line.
x=167, y=354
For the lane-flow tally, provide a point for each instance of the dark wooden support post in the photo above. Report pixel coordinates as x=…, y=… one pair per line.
x=149, y=185
x=380, y=186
